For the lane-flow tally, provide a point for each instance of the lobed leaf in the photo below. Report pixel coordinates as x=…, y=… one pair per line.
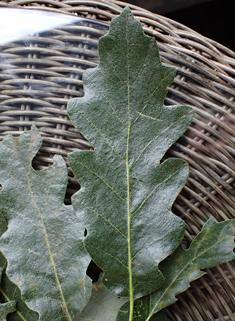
x=212, y=246
x=44, y=241
x=126, y=193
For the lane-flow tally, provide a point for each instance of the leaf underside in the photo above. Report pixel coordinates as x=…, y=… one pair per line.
x=103, y=304
x=126, y=194
x=6, y=308
x=44, y=241
x=10, y=295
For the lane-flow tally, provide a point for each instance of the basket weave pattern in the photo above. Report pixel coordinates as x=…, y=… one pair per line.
x=41, y=74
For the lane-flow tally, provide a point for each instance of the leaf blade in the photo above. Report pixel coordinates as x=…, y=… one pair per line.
x=212, y=246
x=130, y=130
x=42, y=231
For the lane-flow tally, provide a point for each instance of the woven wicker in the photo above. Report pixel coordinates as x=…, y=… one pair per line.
x=47, y=72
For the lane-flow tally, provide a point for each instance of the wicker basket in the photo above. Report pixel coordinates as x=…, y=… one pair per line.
x=47, y=72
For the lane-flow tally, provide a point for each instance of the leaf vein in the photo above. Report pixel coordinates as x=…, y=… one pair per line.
x=50, y=253
x=60, y=240
x=116, y=259
x=153, y=191
x=113, y=68
x=115, y=114
x=110, y=187
x=142, y=67
x=22, y=216
x=150, y=97
x=154, y=241
x=102, y=135
x=92, y=210
x=156, y=137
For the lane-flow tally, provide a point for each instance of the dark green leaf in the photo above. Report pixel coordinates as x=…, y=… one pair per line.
x=126, y=194
x=160, y=316
x=9, y=292
x=212, y=246
x=5, y=308
x=44, y=241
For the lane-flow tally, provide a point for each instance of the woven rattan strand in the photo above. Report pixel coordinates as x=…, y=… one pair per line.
x=47, y=72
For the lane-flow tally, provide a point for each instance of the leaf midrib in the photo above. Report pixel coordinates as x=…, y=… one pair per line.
x=50, y=253
x=131, y=296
